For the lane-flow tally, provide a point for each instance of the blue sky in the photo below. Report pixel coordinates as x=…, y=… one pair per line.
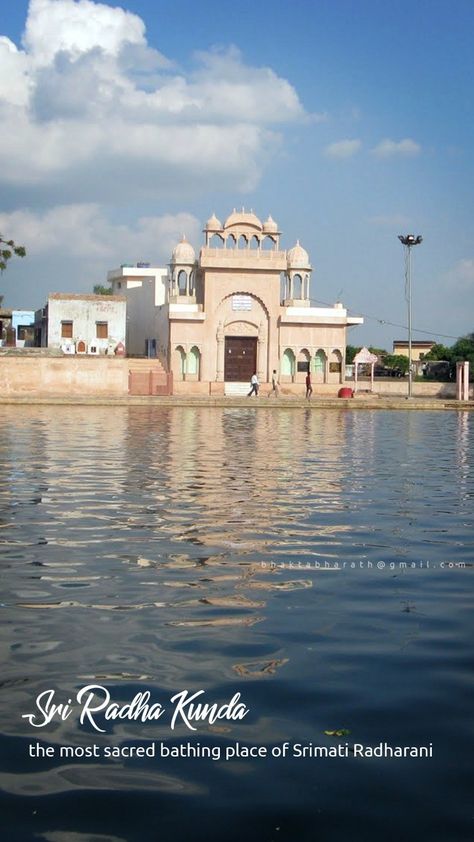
x=349, y=122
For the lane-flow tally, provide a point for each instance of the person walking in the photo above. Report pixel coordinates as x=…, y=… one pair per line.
x=254, y=384
x=309, y=388
x=275, y=385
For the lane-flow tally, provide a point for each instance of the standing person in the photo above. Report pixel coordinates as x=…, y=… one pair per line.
x=309, y=388
x=254, y=384
x=275, y=385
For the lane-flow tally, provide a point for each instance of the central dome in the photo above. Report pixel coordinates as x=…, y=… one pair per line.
x=244, y=219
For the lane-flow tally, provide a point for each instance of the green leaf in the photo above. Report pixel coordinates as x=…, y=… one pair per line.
x=339, y=732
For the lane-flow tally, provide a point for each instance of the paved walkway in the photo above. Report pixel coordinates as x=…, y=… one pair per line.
x=262, y=402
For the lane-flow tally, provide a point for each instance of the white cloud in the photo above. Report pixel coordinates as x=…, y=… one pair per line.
x=14, y=80
x=82, y=230
x=342, y=148
x=96, y=118
x=53, y=26
x=388, y=148
x=94, y=112
x=71, y=248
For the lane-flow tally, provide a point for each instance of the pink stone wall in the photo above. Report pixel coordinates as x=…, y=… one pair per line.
x=63, y=376
x=399, y=388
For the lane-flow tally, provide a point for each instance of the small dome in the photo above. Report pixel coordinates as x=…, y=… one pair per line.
x=243, y=218
x=270, y=226
x=213, y=224
x=297, y=257
x=183, y=252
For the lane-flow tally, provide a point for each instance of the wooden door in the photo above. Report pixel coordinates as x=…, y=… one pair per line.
x=240, y=358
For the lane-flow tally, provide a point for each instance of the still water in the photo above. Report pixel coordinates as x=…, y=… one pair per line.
x=292, y=556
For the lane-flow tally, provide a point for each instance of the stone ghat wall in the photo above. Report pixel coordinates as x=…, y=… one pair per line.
x=109, y=377
x=391, y=388
x=63, y=376
x=399, y=388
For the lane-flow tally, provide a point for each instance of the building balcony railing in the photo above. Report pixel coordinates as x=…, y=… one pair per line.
x=255, y=258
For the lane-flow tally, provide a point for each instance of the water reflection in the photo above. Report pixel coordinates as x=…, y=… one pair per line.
x=182, y=547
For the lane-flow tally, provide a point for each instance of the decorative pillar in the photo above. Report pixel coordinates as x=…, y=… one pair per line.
x=261, y=362
x=220, y=352
x=462, y=381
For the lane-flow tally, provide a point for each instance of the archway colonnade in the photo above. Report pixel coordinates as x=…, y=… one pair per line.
x=325, y=365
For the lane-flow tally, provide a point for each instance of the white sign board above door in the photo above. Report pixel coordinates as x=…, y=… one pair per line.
x=241, y=302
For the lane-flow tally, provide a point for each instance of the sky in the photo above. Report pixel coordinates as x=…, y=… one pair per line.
x=349, y=121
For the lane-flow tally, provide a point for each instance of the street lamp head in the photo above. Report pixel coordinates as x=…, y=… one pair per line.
x=410, y=239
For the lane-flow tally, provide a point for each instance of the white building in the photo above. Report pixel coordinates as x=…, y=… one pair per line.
x=83, y=324
x=240, y=307
x=145, y=289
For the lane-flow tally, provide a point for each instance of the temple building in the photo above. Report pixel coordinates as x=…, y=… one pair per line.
x=242, y=306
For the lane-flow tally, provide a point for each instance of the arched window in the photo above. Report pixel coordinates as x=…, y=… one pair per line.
x=254, y=242
x=180, y=362
x=297, y=286
x=288, y=363
x=268, y=243
x=230, y=242
x=216, y=242
x=243, y=242
x=182, y=282
x=335, y=366
x=194, y=362
x=320, y=365
x=304, y=361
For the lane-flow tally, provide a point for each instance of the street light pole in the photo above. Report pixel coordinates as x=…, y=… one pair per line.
x=409, y=240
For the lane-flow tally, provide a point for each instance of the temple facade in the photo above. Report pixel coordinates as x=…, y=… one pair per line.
x=240, y=307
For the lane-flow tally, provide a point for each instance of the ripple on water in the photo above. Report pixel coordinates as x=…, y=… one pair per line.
x=188, y=547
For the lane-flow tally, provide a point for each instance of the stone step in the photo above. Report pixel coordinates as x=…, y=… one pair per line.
x=234, y=390
x=144, y=364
